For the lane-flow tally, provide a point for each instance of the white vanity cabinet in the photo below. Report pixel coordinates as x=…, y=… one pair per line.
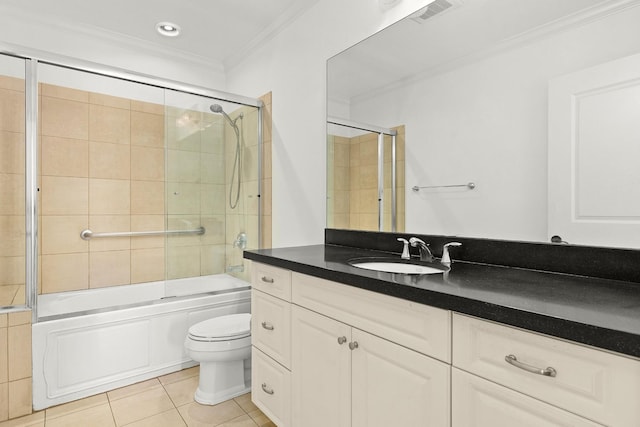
x=502, y=375
x=328, y=354
x=271, y=340
x=346, y=371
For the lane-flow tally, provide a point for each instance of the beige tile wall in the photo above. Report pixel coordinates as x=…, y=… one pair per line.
x=12, y=223
x=15, y=364
x=102, y=167
x=339, y=187
x=353, y=182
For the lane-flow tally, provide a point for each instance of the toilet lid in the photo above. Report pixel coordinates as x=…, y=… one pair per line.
x=233, y=326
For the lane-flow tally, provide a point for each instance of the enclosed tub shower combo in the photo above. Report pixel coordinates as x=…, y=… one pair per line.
x=127, y=203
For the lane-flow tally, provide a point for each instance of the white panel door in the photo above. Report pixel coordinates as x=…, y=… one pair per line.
x=594, y=155
x=395, y=386
x=321, y=370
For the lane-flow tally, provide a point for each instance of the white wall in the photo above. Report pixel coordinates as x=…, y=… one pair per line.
x=293, y=66
x=487, y=122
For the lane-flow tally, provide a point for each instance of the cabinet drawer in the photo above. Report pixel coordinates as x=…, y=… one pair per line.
x=271, y=388
x=272, y=280
x=595, y=384
x=271, y=326
x=416, y=326
x=477, y=402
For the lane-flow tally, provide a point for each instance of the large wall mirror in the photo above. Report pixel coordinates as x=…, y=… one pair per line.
x=521, y=118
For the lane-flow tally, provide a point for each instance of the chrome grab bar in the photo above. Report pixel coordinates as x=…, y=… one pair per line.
x=88, y=234
x=469, y=185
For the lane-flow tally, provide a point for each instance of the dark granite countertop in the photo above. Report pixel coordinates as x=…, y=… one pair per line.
x=599, y=312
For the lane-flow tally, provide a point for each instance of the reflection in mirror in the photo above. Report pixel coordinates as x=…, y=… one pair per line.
x=365, y=171
x=472, y=86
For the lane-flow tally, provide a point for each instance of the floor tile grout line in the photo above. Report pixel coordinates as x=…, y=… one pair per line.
x=48, y=417
x=113, y=415
x=174, y=403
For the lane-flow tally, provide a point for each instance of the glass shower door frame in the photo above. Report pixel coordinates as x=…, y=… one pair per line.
x=32, y=59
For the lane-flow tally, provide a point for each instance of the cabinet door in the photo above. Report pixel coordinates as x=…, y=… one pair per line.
x=395, y=386
x=321, y=370
x=477, y=402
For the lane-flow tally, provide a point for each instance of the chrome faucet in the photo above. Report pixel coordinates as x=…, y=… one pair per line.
x=425, y=252
x=446, y=258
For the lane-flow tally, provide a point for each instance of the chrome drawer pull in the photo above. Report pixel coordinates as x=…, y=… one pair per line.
x=266, y=279
x=353, y=345
x=342, y=340
x=267, y=326
x=267, y=389
x=547, y=372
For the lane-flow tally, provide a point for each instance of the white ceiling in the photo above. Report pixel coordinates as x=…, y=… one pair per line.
x=219, y=31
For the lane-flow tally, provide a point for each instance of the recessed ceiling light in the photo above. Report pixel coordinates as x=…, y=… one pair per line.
x=168, y=29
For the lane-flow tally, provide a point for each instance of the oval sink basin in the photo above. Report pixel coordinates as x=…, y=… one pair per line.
x=397, y=267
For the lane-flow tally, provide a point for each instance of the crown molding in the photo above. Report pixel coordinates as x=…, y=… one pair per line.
x=267, y=34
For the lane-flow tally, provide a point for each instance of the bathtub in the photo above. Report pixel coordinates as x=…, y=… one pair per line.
x=88, y=342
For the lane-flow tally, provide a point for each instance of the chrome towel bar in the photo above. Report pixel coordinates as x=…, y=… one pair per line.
x=469, y=185
x=88, y=234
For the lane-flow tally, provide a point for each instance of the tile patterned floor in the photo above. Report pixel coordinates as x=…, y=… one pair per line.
x=166, y=401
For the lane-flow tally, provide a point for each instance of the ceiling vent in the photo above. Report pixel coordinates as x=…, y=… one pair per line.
x=435, y=8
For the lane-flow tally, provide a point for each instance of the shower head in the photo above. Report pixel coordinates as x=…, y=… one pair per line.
x=217, y=108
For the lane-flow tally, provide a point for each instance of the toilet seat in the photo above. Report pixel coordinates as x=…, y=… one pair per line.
x=222, y=328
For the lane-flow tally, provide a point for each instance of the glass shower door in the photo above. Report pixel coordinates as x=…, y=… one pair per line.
x=12, y=181
x=211, y=182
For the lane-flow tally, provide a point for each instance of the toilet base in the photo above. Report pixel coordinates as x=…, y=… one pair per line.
x=215, y=398
x=220, y=381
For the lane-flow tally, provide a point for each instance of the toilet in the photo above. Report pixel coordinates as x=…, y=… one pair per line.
x=222, y=345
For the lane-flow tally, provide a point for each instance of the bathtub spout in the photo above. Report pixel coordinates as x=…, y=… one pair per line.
x=235, y=268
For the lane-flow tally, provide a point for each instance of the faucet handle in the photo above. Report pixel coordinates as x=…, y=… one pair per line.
x=446, y=258
x=405, y=249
